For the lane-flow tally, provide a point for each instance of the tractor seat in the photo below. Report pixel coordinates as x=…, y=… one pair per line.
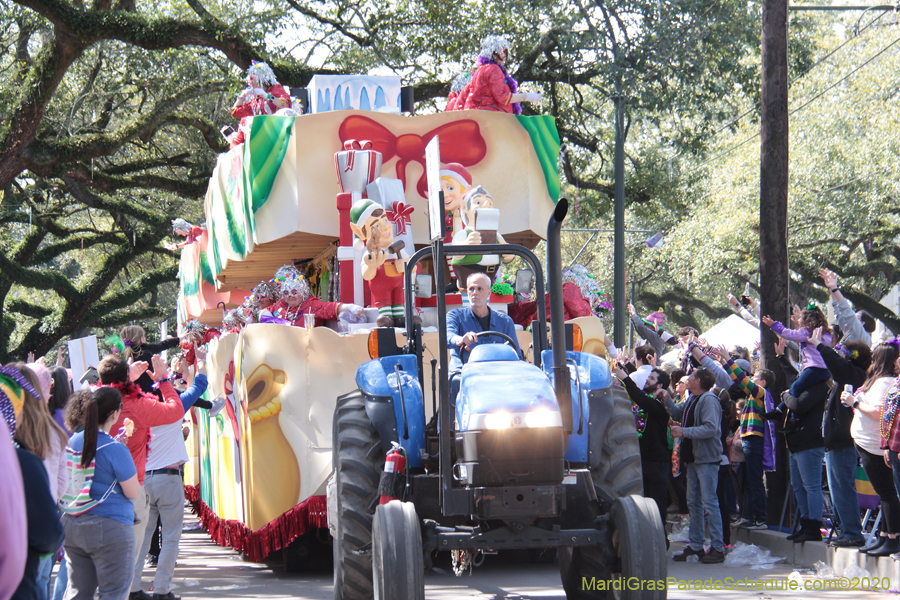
x=493, y=352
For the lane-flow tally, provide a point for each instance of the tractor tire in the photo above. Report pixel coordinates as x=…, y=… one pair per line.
x=398, y=564
x=617, y=473
x=640, y=546
x=640, y=542
x=581, y=569
x=357, y=463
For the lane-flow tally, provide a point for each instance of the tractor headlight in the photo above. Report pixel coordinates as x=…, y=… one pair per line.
x=498, y=420
x=541, y=417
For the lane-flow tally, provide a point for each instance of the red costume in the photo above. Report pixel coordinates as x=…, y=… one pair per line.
x=258, y=106
x=146, y=411
x=574, y=305
x=324, y=311
x=190, y=356
x=387, y=286
x=487, y=90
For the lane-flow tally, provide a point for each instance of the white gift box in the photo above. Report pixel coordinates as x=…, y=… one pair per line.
x=389, y=193
x=357, y=165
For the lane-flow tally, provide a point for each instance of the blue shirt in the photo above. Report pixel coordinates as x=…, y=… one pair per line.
x=461, y=321
x=112, y=463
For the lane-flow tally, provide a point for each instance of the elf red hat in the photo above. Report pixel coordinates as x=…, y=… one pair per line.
x=457, y=172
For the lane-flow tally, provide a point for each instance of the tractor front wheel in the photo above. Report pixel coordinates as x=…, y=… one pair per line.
x=398, y=564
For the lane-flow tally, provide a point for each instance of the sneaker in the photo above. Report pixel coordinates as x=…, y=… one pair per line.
x=217, y=406
x=738, y=520
x=843, y=542
x=755, y=524
x=139, y=595
x=688, y=551
x=167, y=596
x=712, y=557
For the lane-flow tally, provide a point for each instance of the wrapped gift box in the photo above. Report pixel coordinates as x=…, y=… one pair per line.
x=357, y=166
x=389, y=194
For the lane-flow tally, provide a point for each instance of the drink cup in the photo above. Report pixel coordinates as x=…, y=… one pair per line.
x=309, y=320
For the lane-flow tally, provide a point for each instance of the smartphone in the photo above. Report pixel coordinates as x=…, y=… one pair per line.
x=227, y=131
x=745, y=301
x=849, y=388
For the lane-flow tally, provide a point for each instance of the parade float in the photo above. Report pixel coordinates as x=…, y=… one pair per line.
x=287, y=193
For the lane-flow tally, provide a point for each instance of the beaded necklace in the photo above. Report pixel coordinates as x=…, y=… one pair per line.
x=889, y=408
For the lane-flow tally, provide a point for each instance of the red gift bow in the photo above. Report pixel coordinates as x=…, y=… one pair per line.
x=400, y=215
x=357, y=145
x=461, y=142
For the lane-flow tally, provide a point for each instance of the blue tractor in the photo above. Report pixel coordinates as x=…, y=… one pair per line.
x=536, y=456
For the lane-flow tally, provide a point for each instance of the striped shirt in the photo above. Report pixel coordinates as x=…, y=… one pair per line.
x=752, y=422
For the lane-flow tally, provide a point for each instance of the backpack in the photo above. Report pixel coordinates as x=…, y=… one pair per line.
x=77, y=498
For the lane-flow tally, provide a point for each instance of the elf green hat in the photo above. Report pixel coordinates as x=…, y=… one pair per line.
x=362, y=210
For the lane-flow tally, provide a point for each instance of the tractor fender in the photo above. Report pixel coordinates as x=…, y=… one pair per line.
x=394, y=403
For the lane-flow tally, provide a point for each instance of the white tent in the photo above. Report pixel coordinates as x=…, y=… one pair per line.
x=733, y=331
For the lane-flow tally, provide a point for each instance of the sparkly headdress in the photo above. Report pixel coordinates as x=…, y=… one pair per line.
x=491, y=45
x=181, y=226
x=263, y=73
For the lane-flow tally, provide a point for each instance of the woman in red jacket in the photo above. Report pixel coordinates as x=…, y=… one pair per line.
x=492, y=87
x=262, y=96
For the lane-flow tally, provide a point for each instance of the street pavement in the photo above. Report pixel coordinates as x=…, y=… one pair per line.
x=211, y=572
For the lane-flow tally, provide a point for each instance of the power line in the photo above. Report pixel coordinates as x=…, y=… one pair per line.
x=805, y=73
x=802, y=106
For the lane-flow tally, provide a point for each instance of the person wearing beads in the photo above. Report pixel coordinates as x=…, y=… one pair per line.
x=873, y=418
x=298, y=300
x=655, y=456
x=100, y=542
x=262, y=96
x=890, y=434
x=145, y=411
x=492, y=87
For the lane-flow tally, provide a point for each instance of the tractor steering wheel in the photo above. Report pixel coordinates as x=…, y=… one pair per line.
x=464, y=357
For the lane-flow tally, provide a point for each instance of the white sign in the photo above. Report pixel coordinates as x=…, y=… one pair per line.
x=83, y=354
x=435, y=195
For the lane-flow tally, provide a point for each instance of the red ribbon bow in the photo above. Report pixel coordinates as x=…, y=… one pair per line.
x=400, y=214
x=357, y=145
x=460, y=142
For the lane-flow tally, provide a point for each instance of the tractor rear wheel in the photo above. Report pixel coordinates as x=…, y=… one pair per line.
x=398, y=564
x=616, y=472
x=357, y=462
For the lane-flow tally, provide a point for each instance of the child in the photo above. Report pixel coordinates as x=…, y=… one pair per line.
x=813, y=366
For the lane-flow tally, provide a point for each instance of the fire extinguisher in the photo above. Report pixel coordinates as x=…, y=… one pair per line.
x=393, y=479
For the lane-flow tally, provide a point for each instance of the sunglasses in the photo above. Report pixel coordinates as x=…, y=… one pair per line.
x=291, y=294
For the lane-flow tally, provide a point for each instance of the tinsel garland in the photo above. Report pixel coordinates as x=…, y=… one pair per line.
x=256, y=545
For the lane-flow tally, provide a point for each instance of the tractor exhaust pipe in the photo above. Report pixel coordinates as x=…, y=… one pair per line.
x=557, y=316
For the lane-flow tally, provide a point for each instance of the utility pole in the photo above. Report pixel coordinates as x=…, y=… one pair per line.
x=773, y=189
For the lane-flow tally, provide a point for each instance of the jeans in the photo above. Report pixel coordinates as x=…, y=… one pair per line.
x=882, y=480
x=142, y=516
x=807, y=378
x=62, y=580
x=755, y=495
x=840, y=464
x=702, y=481
x=166, y=493
x=99, y=554
x=806, y=479
x=45, y=567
